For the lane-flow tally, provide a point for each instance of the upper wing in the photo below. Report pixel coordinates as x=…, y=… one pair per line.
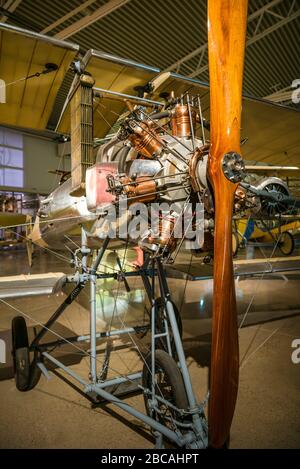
x=111, y=74
x=274, y=170
x=29, y=101
x=271, y=129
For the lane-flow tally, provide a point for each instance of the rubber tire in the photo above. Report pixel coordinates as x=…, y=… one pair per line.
x=164, y=362
x=292, y=247
x=162, y=342
x=235, y=244
x=26, y=374
x=20, y=353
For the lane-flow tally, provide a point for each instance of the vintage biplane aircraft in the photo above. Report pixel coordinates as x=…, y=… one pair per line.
x=178, y=141
x=12, y=221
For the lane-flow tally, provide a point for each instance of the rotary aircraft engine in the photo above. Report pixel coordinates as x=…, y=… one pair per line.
x=150, y=162
x=153, y=159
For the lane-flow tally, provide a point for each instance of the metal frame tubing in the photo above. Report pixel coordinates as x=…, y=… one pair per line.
x=179, y=349
x=191, y=438
x=173, y=436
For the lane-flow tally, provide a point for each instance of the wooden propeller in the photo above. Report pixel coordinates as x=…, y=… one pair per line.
x=226, y=45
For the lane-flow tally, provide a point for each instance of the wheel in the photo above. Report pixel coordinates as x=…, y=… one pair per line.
x=277, y=187
x=235, y=244
x=169, y=386
x=20, y=352
x=286, y=243
x=26, y=374
x=161, y=315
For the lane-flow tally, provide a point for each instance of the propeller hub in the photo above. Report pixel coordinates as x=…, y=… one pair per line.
x=233, y=166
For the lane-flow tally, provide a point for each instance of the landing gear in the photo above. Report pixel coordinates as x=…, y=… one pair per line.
x=160, y=318
x=172, y=411
x=169, y=389
x=27, y=374
x=286, y=243
x=20, y=352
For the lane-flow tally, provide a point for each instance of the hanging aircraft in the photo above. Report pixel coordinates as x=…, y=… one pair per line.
x=176, y=140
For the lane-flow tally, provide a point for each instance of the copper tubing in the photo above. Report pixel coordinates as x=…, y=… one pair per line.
x=142, y=189
x=180, y=121
x=145, y=140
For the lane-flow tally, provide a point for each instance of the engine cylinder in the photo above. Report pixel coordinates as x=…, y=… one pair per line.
x=141, y=189
x=146, y=140
x=165, y=238
x=181, y=122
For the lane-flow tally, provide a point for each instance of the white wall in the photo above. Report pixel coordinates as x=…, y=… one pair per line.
x=40, y=156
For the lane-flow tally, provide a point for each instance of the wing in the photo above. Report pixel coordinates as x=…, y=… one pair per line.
x=273, y=170
x=241, y=268
x=117, y=80
x=31, y=285
x=271, y=130
x=29, y=97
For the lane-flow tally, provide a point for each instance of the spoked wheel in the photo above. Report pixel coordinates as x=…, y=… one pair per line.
x=26, y=374
x=160, y=317
x=276, y=187
x=286, y=243
x=169, y=386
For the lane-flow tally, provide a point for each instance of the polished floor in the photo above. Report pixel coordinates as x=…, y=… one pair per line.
x=55, y=415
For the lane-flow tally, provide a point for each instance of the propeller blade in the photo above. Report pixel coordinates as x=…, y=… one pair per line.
x=226, y=45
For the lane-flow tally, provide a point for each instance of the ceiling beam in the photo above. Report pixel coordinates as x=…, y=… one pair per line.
x=282, y=95
x=256, y=37
x=67, y=16
x=101, y=12
x=9, y=6
x=256, y=14
x=274, y=27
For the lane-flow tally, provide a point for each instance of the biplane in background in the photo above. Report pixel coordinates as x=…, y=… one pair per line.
x=13, y=223
x=177, y=140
